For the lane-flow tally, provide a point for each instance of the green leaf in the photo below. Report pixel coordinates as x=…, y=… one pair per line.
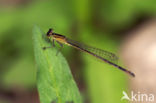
x=54, y=79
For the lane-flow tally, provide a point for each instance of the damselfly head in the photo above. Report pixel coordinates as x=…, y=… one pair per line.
x=50, y=32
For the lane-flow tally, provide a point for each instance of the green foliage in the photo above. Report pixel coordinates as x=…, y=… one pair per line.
x=90, y=21
x=54, y=79
x=105, y=82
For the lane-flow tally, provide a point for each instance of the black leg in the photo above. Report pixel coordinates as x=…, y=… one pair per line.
x=53, y=42
x=59, y=48
x=44, y=48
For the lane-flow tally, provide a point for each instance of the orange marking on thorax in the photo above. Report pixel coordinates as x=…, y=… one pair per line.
x=60, y=39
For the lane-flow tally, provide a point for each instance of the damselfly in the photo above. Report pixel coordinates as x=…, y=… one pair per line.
x=103, y=55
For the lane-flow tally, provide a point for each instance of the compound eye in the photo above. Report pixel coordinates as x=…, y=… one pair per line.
x=50, y=32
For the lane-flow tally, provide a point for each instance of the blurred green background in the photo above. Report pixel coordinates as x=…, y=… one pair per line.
x=99, y=23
